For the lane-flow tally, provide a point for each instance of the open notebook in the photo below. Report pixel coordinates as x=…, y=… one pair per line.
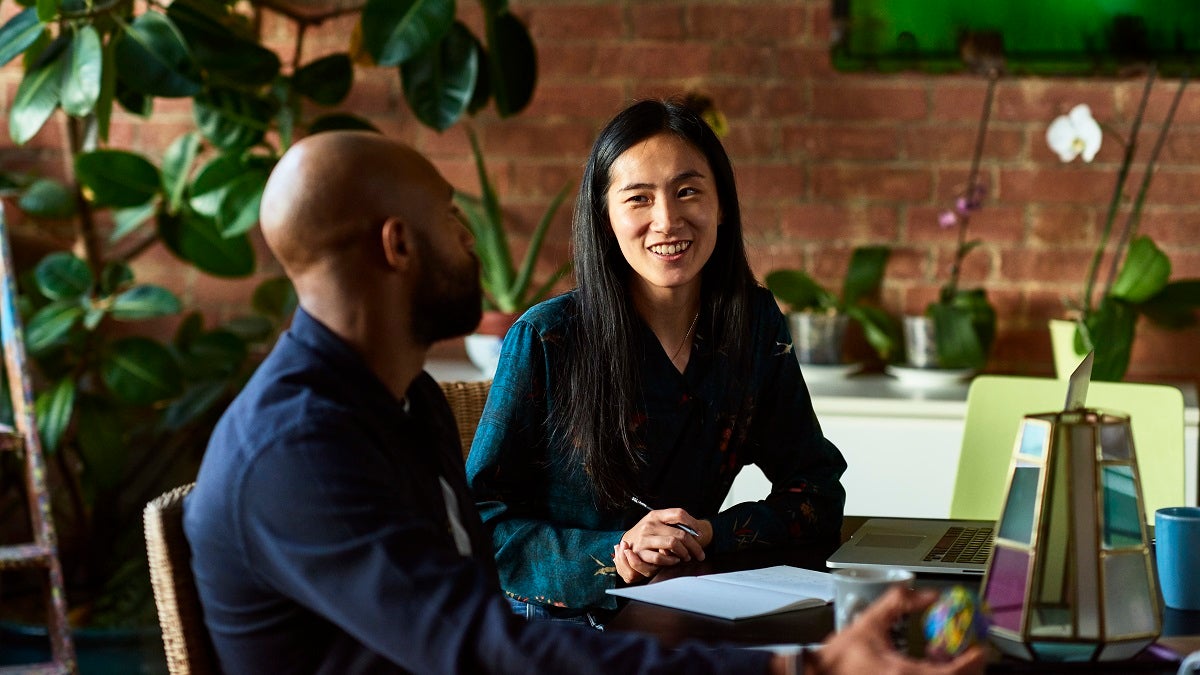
x=932, y=545
x=738, y=595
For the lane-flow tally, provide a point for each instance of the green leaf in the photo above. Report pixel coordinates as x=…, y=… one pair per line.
x=250, y=328
x=115, y=276
x=175, y=166
x=145, y=302
x=128, y=220
x=153, y=58
x=238, y=212
x=108, y=90
x=439, y=83
x=62, y=276
x=327, y=80
x=197, y=400
x=37, y=96
x=190, y=328
x=102, y=444
x=47, y=10
x=864, y=275
x=275, y=297
x=799, y=291
x=227, y=55
x=879, y=328
x=17, y=34
x=54, y=409
x=1144, y=273
x=117, y=177
x=1109, y=330
x=132, y=101
x=525, y=274
x=141, y=371
x=50, y=325
x=513, y=62
x=340, y=121
x=195, y=238
x=81, y=86
x=1175, y=305
x=47, y=198
x=486, y=221
x=958, y=346
x=212, y=182
x=217, y=353
x=394, y=31
x=232, y=120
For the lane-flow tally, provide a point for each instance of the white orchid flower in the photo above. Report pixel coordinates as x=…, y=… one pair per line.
x=1074, y=134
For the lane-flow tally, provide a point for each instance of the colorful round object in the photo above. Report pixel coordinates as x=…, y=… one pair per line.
x=953, y=623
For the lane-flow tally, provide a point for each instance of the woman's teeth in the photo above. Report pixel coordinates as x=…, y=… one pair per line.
x=670, y=249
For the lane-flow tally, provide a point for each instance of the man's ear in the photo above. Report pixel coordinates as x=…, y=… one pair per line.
x=397, y=245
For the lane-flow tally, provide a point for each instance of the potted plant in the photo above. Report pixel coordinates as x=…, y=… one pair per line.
x=1138, y=280
x=818, y=317
x=124, y=412
x=508, y=289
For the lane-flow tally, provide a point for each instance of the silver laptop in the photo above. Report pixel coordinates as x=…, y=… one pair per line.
x=937, y=546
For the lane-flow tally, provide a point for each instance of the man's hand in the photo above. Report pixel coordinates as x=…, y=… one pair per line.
x=865, y=646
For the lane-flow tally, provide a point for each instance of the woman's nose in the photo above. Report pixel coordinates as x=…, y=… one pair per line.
x=664, y=216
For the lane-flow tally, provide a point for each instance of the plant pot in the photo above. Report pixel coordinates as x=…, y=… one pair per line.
x=483, y=346
x=98, y=651
x=1062, y=345
x=920, y=342
x=818, y=338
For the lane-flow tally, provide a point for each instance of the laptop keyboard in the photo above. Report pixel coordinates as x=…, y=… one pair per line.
x=963, y=545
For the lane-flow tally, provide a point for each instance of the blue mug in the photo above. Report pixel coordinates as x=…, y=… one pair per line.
x=1177, y=549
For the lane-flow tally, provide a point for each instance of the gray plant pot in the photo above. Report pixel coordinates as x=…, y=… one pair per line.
x=818, y=338
x=920, y=342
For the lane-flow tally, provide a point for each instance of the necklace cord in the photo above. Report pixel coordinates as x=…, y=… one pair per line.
x=686, y=335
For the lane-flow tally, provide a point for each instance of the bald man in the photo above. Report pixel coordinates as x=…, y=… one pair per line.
x=331, y=527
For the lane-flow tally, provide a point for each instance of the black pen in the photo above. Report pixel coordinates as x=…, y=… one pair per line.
x=681, y=526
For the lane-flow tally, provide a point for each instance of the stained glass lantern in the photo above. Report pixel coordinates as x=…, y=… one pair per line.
x=1071, y=577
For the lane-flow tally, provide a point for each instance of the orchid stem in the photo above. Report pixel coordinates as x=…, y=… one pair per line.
x=1115, y=203
x=951, y=287
x=1135, y=214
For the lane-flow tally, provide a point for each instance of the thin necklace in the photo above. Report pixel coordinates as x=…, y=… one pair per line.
x=686, y=335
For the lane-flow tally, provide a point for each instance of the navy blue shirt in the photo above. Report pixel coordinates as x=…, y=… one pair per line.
x=695, y=431
x=321, y=539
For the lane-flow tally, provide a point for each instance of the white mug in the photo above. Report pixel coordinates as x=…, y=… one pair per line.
x=854, y=590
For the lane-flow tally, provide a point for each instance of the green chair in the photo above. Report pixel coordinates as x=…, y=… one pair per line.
x=996, y=405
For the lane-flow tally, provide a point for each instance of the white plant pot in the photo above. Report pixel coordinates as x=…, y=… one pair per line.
x=484, y=352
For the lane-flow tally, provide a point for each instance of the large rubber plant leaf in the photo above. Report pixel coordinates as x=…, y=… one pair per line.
x=1144, y=273
x=50, y=325
x=145, y=302
x=195, y=238
x=958, y=345
x=513, y=62
x=217, y=353
x=38, y=94
x=225, y=54
x=47, y=198
x=18, y=33
x=394, y=31
x=238, y=212
x=1175, y=305
x=81, y=84
x=153, y=58
x=130, y=219
x=439, y=83
x=54, y=409
x=1110, y=331
x=275, y=297
x=140, y=371
x=212, y=181
x=232, y=120
x=177, y=162
x=864, y=275
x=799, y=291
x=117, y=178
x=327, y=80
x=115, y=276
x=62, y=276
x=47, y=10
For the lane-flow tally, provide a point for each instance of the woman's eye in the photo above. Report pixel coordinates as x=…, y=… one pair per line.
x=638, y=199
x=688, y=191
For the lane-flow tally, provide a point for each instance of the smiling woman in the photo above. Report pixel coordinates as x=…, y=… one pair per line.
x=663, y=373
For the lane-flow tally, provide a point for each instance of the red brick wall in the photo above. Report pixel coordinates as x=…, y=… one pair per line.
x=825, y=160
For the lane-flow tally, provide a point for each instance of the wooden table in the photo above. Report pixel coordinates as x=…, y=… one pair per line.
x=815, y=624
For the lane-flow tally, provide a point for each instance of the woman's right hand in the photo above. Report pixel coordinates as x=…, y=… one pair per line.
x=654, y=543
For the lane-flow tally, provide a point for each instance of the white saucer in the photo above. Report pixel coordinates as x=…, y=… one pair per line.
x=929, y=377
x=825, y=372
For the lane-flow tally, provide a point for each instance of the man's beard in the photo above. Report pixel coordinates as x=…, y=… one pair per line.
x=447, y=302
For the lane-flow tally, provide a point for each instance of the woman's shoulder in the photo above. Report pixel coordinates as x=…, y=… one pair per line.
x=763, y=306
x=552, y=315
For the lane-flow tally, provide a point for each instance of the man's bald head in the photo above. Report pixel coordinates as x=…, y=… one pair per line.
x=328, y=195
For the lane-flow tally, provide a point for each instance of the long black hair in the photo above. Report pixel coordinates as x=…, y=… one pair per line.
x=600, y=391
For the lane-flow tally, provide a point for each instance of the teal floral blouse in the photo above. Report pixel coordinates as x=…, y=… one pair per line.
x=553, y=545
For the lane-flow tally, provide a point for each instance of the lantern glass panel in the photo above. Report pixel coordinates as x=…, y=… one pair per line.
x=1017, y=522
x=1128, y=608
x=1058, y=651
x=1034, y=434
x=1115, y=442
x=1122, y=517
x=1006, y=584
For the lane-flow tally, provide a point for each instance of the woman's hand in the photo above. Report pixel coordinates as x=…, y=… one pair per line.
x=654, y=543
